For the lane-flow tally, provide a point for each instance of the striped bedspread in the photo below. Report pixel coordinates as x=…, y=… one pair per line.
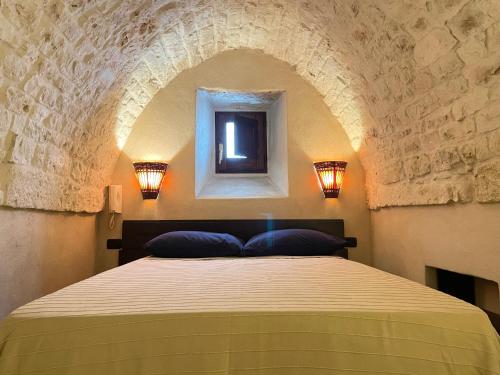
x=244, y=316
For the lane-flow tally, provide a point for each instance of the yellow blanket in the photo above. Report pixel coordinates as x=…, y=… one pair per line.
x=307, y=316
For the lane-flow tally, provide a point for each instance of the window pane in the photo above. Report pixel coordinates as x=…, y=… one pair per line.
x=240, y=142
x=246, y=136
x=230, y=142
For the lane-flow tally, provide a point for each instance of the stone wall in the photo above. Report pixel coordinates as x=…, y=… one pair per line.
x=437, y=137
x=415, y=84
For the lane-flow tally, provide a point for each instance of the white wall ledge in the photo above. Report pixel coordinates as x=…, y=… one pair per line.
x=241, y=188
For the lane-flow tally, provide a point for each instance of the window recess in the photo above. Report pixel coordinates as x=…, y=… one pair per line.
x=244, y=156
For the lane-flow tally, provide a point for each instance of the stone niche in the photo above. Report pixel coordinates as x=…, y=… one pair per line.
x=208, y=184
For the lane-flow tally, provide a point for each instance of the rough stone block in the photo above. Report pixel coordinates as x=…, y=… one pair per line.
x=38, y=160
x=489, y=117
x=470, y=103
x=51, y=98
x=5, y=119
x=485, y=70
x=411, y=145
x=495, y=89
x=392, y=173
x=23, y=151
x=442, y=10
x=422, y=107
x=56, y=162
x=462, y=188
x=418, y=166
x=435, y=120
x=458, y=129
x=4, y=144
x=493, y=37
x=431, y=140
x=18, y=101
x=483, y=151
x=436, y=44
x=78, y=171
x=451, y=90
x=467, y=152
x=472, y=51
x=419, y=25
x=471, y=19
x=447, y=66
x=494, y=142
x=424, y=81
x=487, y=182
x=14, y=67
x=445, y=159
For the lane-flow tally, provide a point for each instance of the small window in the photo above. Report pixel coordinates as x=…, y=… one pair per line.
x=240, y=142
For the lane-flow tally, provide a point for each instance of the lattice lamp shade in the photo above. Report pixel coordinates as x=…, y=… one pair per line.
x=150, y=176
x=331, y=176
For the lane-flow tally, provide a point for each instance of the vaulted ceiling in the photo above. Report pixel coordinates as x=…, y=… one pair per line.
x=414, y=83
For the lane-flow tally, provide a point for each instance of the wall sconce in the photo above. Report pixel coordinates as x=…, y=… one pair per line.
x=150, y=175
x=331, y=176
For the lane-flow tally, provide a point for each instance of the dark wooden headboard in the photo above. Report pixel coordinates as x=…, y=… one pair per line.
x=136, y=233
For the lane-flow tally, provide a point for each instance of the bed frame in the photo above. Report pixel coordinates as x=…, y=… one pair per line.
x=136, y=233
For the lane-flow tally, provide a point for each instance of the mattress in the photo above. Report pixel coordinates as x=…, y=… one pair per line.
x=278, y=315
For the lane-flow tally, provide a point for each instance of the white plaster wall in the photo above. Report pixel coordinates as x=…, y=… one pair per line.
x=166, y=130
x=42, y=252
x=459, y=238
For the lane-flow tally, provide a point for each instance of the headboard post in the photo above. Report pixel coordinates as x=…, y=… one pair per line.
x=136, y=233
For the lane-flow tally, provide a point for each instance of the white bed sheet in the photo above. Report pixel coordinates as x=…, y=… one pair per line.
x=278, y=315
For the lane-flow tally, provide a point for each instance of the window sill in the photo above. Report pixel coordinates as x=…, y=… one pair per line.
x=237, y=187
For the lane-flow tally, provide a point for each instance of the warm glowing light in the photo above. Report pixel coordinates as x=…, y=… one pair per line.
x=150, y=175
x=331, y=176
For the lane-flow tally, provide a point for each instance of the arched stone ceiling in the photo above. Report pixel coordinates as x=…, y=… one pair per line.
x=415, y=84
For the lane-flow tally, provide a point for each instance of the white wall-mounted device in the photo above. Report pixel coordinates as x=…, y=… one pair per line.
x=115, y=199
x=115, y=203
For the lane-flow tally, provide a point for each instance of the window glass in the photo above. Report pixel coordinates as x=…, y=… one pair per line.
x=240, y=142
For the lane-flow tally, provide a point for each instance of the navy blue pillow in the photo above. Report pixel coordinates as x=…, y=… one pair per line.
x=194, y=244
x=296, y=242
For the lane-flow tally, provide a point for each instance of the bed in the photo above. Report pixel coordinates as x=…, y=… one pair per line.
x=266, y=315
